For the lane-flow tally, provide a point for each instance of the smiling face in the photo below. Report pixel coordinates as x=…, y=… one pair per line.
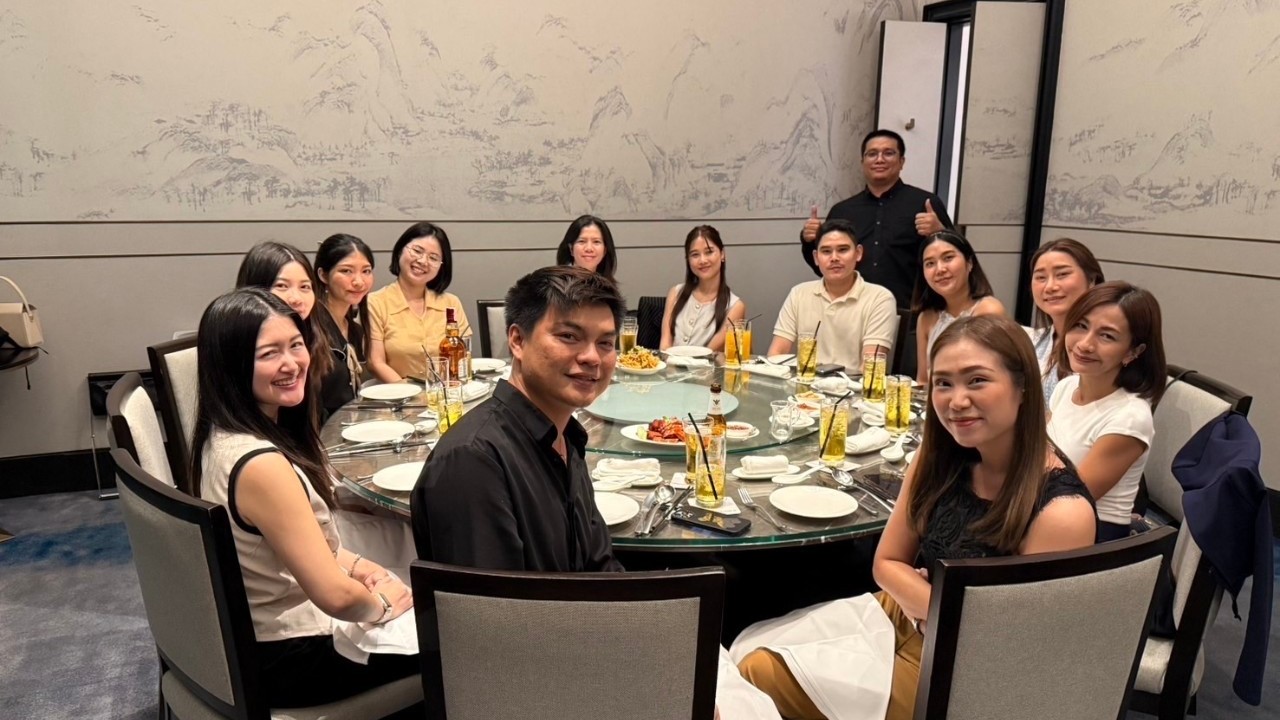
x=882, y=162
x=946, y=269
x=705, y=259
x=420, y=261
x=1101, y=344
x=838, y=256
x=568, y=359
x=589, y=250
x=350, y=279
x=293, y=285
x=1056, y=283
x=280, y=362
x=975, y=397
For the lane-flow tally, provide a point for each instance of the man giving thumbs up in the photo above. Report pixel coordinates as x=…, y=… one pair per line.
x=890, y=217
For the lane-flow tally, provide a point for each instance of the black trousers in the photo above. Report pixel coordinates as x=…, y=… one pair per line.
x=305, y=671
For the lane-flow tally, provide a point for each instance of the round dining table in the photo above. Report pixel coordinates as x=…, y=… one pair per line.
x=633, y=400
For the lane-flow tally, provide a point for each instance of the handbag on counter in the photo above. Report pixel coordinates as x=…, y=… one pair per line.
x=21, y=320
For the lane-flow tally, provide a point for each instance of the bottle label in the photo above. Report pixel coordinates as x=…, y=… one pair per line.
x=714, y=409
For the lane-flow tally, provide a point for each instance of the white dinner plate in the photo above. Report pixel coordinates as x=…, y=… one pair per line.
x=377, y=431
x=742, y=474
x=645, y=371
x=689, y=351
x=741, y=431
x=877, y=419
x=487, y=365
x=616, y=509
x=639, y=433
x=398, y=478
x=911, y=457
x=847, y=465
x=390, y=391
x=800, y=420
x=812, y=501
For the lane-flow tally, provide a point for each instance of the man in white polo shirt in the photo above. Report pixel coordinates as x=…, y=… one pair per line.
x=856, y=316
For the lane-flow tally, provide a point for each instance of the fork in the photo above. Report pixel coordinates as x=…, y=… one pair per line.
x=751, y=503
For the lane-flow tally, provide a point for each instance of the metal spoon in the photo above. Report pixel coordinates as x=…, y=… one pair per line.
x=844, y=479
x=663, y=495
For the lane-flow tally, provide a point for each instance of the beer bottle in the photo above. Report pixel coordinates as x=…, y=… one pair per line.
x=453, y=350
x=715, y=412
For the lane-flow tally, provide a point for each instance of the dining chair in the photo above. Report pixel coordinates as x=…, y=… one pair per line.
x=649, y=321
x=134, y=427
x=493, y=329
x=194, y=597
x=1055, y=635
x=174, y=366
x=903, y=361
x=568, y=646
x=1172, y=667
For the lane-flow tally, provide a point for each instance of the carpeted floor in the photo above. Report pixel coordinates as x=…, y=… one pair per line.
x=74, y=641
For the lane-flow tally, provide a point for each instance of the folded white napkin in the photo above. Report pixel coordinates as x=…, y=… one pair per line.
x=680, y=361
x=475, y=390
x=766, y=369
x=609, y=468
x=761, y=464
x=866, y=441
x=356, y=641
x=728, y=507
x=831, y=385
x=679, y=481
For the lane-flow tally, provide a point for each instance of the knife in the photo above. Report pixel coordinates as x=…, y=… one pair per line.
x=669, y=510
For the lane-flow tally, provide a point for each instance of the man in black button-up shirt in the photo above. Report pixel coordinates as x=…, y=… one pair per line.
x=890, y=217
x=507, y=488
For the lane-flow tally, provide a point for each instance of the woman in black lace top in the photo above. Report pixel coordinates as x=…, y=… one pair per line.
x=985, y=482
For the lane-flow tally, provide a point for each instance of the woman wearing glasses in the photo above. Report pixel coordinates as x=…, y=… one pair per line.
x=588, y=244
x=409, y=314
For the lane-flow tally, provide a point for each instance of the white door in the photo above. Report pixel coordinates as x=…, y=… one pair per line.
x=913, y=60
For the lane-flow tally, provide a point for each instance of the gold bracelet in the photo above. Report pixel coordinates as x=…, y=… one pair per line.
x=352, y=569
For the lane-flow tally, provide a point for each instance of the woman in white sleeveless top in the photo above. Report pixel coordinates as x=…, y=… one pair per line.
x=949, y=286
x=258, y=452
x=697, y=309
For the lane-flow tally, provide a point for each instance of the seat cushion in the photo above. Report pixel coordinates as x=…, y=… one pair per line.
x=1155, y=663
x=376, y=703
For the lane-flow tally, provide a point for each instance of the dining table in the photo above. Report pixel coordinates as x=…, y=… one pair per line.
x=612, y=421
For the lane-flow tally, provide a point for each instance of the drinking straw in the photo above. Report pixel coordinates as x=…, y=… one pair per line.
x=711, y=479
x=831, y=423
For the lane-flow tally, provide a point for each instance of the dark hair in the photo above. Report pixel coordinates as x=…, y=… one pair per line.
x=226, y=349
x=902, y=144
x=444, y=275
x=334, y=250
x=562, y=288
x=836, y=225
x=941, y=460
x=260, y=268
x=564, y=254
x=711, y=235
x=1145, y=375
x=1083, y=258
x=923, y=297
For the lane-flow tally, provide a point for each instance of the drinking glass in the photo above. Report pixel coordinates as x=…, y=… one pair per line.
x=833, y=430
x=897, y=404
x=709, y=475
x=737, y=344
x=449, y=407
x=691, y=447
x=630, y=329
x=464, y=367
x=807, y=357
x=873, y=367
x=784, y=412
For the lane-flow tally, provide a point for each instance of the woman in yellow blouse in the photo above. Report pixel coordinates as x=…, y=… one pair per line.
x=408, y=315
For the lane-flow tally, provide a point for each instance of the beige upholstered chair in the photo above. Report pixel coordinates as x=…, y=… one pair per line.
x=196, y=607
x=1046, y=636
x=173, y=363
x=134, y=427
x=1171, y=669
x=568, y=646
x=493, y=329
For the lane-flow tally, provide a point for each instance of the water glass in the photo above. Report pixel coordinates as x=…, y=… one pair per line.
x=630, y=329
x=448, y=404
x=833, y=430
x=873, y=368
x=708, y=488
x=807, y=357
x=897, y=404
x=784, y=412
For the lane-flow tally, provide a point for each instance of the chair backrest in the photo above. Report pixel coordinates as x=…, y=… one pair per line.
x=901, y=355
x=649, y=321
x=1057, y=635
x=1190, y=401
x=192, y=590
x=563, y=646
x=493, y=329
x=134, y=427
x=173, y=363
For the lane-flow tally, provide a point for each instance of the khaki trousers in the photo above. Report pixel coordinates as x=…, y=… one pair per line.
x=768, y=671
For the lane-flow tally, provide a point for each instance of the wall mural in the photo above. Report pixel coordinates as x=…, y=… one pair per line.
x=1138, y=156
x=267, y=109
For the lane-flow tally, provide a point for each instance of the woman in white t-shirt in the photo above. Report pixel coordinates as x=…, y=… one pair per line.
x=697, y=309
x=1100, y=417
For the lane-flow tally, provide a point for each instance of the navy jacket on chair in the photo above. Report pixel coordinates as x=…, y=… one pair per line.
x=1225, y=505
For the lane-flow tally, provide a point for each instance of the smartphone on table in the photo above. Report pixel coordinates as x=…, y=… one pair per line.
x=707, y=520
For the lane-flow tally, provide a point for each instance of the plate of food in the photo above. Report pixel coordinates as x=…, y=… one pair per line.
x=689, y=351
x=809, y=403
x=740, y=431
x=640, y=361
x=663, y=431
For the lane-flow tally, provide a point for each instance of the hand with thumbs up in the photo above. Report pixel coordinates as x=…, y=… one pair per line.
x=927, y=222
x=810, y=232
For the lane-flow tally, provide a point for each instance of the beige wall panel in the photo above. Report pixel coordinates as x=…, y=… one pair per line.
x=1222, y=255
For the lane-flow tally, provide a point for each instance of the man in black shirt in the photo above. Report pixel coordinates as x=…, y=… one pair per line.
x=507, y=488
x=890, y=218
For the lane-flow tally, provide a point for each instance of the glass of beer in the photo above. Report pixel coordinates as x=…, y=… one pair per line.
x=833, y=428
x=448, y=405
x=691, y=447
x=709, y=458
x=807, y=357
x=630, y=328
x=873, y=367
x=897, y=404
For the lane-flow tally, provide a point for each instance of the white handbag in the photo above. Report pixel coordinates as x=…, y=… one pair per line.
x=20, y=320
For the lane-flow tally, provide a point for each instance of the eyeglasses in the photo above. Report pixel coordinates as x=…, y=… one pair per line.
x=417, y=253
x=886, y=154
